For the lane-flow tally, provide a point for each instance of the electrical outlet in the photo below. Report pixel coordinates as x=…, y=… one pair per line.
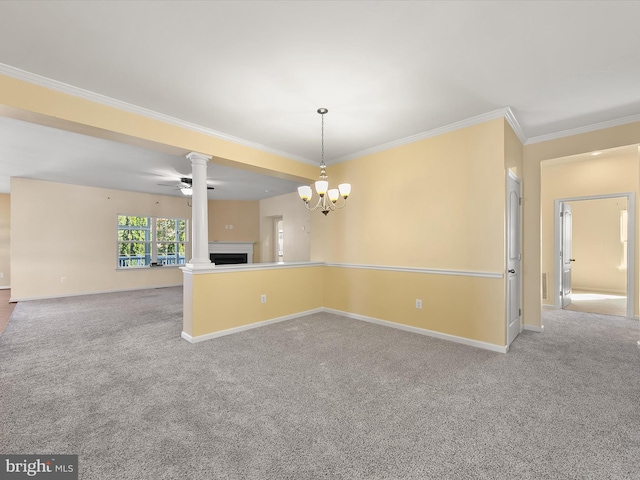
x=263, y=298
x=418, y=303
x=1, y=275
x=230, y=227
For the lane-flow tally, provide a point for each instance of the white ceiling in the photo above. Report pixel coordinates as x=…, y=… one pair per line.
x=257, y=72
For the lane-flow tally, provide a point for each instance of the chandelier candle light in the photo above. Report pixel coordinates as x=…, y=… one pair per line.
x=328, y=197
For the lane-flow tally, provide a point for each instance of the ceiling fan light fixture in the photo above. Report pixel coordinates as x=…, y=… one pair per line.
x=188, y=191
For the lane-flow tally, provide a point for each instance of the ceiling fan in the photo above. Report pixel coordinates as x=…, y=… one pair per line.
x=185, y=186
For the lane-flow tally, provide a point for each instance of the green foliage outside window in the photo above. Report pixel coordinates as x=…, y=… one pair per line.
x=138, y=237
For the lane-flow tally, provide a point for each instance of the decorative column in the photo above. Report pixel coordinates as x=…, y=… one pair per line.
x=199, y=212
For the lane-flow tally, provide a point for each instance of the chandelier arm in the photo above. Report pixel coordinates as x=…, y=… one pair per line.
x=328, y=201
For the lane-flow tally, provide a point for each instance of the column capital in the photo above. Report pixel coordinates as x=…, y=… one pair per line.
x=196, y=157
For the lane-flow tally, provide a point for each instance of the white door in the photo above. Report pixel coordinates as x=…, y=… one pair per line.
x=565, y=253
x=514, y=259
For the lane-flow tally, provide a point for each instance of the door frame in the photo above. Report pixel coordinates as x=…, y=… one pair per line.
x=631, y=245
x=515, y=178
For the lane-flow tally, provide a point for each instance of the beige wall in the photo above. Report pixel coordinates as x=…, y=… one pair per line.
x=220, y=301
x=68, y=231
x=296, y=221
x=597, y=247
x=235, y=221
x=513, y=152
x=435, y=203
x=438, y=203
x=600, y=175
x=463, y=306
x=5, y=240
x=534, y=154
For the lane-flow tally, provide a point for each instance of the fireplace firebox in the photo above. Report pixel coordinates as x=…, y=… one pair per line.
x=228, y=258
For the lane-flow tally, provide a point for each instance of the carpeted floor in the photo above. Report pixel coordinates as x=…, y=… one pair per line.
x=594, y=302
x=6, y=308
x=108, y=377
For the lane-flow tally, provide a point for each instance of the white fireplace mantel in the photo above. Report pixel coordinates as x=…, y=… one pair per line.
x=233, y=247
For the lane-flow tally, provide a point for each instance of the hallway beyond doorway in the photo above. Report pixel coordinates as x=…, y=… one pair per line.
x=594, y=302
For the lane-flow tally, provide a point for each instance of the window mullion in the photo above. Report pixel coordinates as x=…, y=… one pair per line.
x=154, y=240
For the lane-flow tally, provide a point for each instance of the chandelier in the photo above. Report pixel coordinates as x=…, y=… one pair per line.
x=327, y=197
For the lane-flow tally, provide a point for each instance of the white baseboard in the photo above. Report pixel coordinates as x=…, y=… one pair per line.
x=63, y=295
x=8, y=287
x=242, y=328
x=423, y=331
x=533, y=328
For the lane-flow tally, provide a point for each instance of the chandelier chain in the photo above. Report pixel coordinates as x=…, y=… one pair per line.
x=322, y=136
x=327, y=197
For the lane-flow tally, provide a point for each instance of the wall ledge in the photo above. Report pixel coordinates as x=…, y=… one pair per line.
x=274, y=266
x=243, y=267
x=431, y=271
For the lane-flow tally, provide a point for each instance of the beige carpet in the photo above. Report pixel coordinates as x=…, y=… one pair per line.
x=6, y=308
x=593, y=302
x=107, y=377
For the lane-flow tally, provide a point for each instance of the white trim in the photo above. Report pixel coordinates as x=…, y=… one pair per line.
x=430, y=271
x=533, y=328
x=274, y=266
x=505, y=112
x=399, y=326
x=56, y=85
x=42, y=81
x=63, y=295
x=128, y=107
x=422, y=331
x=233, y=247
x=242, y=267
x=5, y=288
x=250, y=326
x=514, y=178
x=515, y=126
x=631, y=242
x=586, y=129
x=485, y=117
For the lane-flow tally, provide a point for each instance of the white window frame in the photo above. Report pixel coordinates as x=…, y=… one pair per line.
x=152, y=242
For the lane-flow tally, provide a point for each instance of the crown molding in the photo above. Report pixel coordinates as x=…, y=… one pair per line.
x=485, y=117
x=49, y=83
x=515, y=125
x=505, y=113
x=589, y=128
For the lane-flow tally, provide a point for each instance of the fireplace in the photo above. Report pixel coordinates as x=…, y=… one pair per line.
x=228, y=258
x=229, y=253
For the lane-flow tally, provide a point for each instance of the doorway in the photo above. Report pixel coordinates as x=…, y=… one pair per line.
x=514, y=257
x=594, y=254
x=278, y=237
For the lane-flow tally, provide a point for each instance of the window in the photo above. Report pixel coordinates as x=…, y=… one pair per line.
x=151, y=241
